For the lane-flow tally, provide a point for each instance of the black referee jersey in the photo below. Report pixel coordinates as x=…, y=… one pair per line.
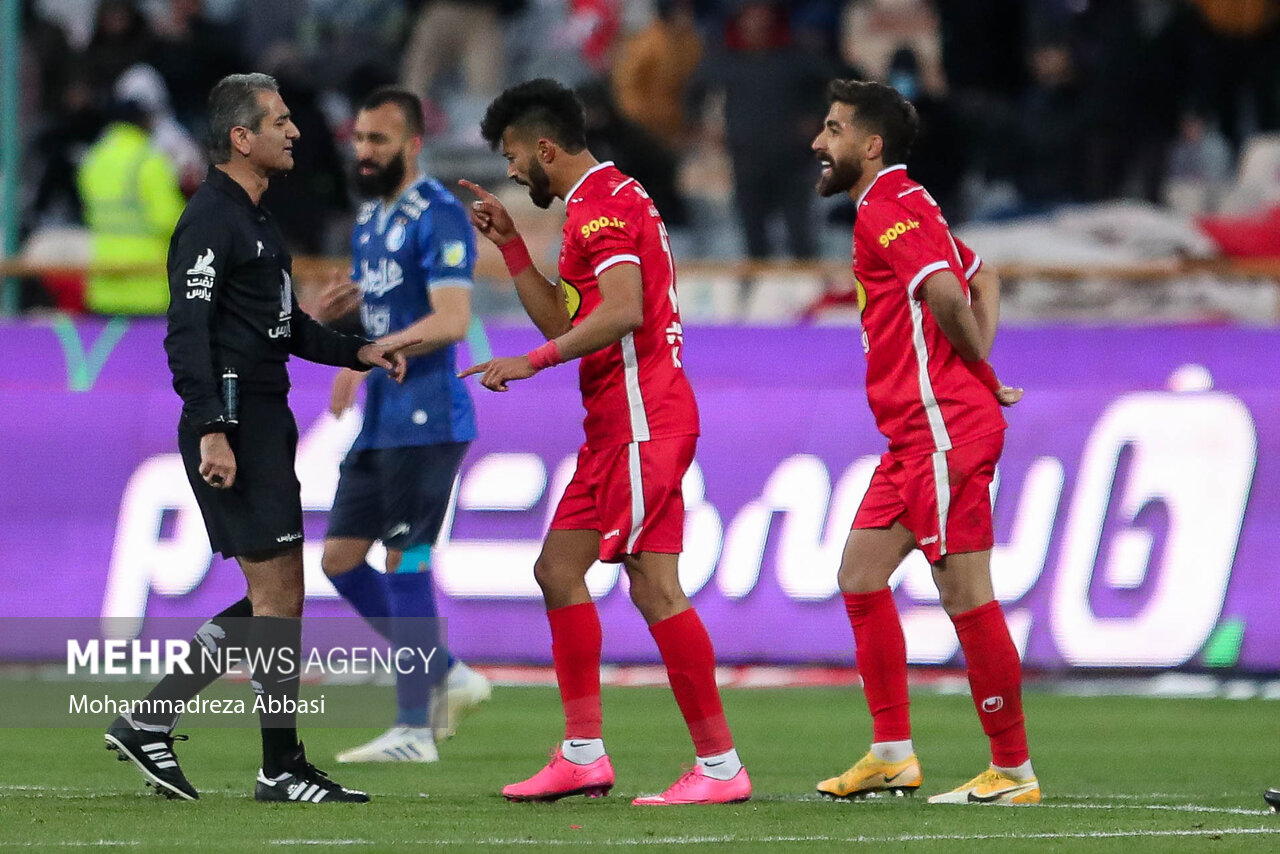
x=231, y=305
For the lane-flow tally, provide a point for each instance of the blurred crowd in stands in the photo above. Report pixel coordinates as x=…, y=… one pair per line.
x=1025, y=104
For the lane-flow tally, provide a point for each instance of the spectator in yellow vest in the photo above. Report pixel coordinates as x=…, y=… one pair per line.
x=131, y=204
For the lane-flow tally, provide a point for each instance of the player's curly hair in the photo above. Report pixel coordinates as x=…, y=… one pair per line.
x=544, y=106
x=882, y=110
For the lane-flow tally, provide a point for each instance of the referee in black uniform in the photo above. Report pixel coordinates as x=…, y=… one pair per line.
x=232, y=326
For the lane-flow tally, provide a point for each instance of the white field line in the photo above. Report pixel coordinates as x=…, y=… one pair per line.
x=87, y=843
x=1078, y=802
x=798, y=840
x=730, y=839
x=1190, y=808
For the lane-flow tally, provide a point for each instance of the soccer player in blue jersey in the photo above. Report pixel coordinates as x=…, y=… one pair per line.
x=413, y=251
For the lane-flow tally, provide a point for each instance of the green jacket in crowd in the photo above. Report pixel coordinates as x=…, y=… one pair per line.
x=131, y=203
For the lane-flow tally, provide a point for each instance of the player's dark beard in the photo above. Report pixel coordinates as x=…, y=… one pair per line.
x=841, y=180
x=540, y=186
x=383, y=180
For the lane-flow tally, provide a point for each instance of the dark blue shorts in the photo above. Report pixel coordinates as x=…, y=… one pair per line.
x=396, y=495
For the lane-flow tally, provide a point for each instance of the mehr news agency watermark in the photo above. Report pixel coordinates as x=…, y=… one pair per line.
x=152, y=658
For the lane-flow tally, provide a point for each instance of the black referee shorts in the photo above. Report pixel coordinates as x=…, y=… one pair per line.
x=262, y=512
x=396, y=495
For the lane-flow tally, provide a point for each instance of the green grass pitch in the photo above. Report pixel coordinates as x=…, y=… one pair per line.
x=1120, y=774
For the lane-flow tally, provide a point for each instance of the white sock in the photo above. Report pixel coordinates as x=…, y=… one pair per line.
x=1020, y=772
x=582, y=751
x=722, y=766
x=892, y=751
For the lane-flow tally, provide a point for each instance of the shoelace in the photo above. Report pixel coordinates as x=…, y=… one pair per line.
x=687, y=779
x=988, y=777
x=320, y=778
x=171, y=738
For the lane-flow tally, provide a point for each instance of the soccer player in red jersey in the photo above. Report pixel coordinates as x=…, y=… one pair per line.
x=614, y=308
x=929, y=313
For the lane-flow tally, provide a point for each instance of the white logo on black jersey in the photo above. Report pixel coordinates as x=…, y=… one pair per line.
x=203, y=265
x=201, y=276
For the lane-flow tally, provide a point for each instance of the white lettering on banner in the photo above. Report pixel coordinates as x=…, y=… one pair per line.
x=143, y=562
x=504, y=482
x=807, y=559
x=517, y=483
x=1016, y=566
x=1192, y=454
x=1189, y=455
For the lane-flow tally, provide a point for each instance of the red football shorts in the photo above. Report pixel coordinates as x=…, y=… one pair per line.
x=944, y=499
x=631, y=495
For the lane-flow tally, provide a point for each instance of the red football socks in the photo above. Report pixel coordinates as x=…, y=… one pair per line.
x=691, y=668
x=882, y=662
x=575, y=648
x=995, y=679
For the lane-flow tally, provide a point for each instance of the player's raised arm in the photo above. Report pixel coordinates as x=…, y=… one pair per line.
x=621, y=312
x=543, y=300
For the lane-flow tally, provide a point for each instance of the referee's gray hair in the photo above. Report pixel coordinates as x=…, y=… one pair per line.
x=234, y=103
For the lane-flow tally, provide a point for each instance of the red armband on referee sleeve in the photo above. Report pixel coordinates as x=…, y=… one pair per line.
x=983, y=371
x=516, y=255
x=546, y=356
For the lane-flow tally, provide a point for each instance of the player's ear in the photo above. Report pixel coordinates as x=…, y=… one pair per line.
x=875, y=147
x=414, y=146
x=546, y=150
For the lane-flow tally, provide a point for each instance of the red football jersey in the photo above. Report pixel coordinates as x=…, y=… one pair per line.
x=636, y=389
x=924, y=396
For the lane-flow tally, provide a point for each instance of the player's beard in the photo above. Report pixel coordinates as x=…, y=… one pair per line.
x=842, y=178
x=383, y=180
x=540, y=186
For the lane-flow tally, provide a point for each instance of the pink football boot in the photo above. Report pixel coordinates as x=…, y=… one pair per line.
x=562, y=778
x=694, y=787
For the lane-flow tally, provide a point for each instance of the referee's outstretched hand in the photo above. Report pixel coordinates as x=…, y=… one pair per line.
x=489, y=216
x=388, y=357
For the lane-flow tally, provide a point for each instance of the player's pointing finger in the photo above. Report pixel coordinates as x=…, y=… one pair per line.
x=481, y=192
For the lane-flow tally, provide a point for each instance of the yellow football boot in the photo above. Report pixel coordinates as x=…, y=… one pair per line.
x=870, y=775
x=992, y=787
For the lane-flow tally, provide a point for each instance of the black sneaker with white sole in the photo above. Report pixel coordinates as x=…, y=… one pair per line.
x=304, y=783
x=1272, y=797
x=152, y=752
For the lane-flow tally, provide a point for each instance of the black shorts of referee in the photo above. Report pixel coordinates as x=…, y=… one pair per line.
x=262, y=511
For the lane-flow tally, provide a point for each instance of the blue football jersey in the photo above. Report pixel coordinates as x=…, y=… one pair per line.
x=401, y=253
